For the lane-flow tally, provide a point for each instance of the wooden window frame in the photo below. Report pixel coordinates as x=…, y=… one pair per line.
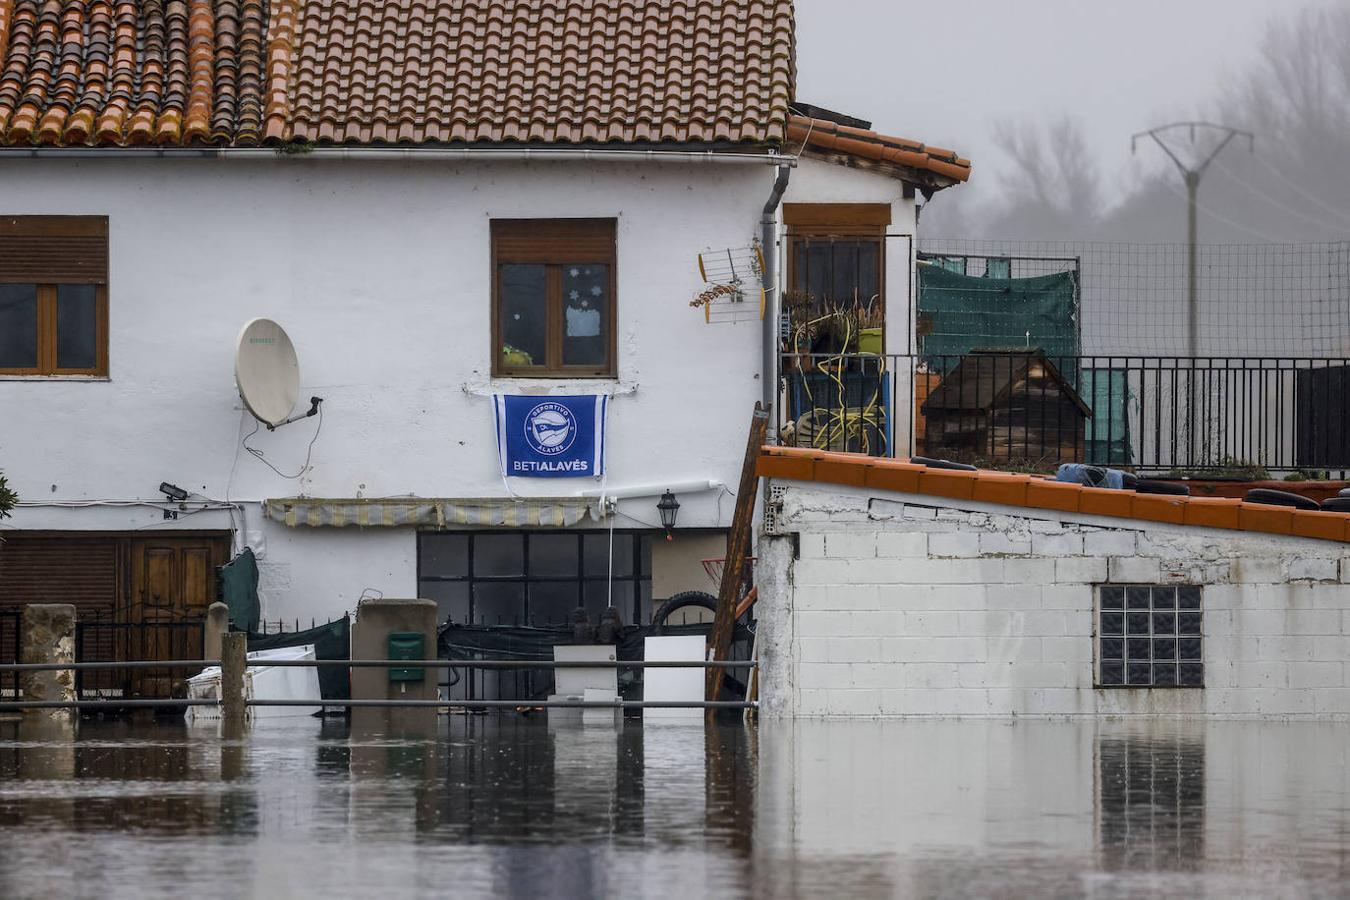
x=77, y=254
x=813, y=222
x=555, y=243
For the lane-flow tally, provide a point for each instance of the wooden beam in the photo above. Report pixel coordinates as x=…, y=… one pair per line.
x=738, y=549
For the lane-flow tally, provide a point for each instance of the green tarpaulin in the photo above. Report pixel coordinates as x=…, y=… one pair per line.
x=959, y=313
x=237, y=581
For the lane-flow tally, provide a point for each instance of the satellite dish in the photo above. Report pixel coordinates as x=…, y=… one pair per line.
x=267, y=371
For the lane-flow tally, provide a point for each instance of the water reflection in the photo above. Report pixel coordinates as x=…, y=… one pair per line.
x=518, y=806
x=1151, y=802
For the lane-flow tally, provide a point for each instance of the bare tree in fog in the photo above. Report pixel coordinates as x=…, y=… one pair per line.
x=1296, y=187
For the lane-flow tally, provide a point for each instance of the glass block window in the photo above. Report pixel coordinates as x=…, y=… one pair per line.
x=1149, y=636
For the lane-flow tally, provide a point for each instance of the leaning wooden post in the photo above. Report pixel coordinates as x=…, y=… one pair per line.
x=233, y=659
x=738, y=548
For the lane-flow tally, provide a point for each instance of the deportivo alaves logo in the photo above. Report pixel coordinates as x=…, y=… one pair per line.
x=550, y=431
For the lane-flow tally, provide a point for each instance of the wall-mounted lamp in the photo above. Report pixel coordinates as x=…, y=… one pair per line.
x=669, y=507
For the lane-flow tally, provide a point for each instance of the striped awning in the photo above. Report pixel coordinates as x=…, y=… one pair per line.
x=543, y=512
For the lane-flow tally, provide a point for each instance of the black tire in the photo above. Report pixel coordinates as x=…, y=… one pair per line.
x=683, y=600
x=1280, y=498
x=1337, y=504
x=942, y=464
x=1171, y=488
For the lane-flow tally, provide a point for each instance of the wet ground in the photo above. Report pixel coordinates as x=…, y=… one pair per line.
x=509, y=806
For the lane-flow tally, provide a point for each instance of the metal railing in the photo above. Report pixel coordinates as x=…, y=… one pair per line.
x=106, y=640
x=182, y=703
x=1023, y=410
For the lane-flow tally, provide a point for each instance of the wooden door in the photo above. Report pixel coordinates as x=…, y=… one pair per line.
x=173, y=581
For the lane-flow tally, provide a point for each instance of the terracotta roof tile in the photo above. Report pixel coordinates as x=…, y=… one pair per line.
x=825, y=136
x=853, y=469
x=182, y=72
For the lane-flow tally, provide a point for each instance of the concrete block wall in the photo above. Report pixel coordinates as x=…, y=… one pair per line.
x=916, y=606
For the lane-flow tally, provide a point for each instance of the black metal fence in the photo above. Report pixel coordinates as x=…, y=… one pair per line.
x=11, y=637
x=1021, y=409
x=108, y=640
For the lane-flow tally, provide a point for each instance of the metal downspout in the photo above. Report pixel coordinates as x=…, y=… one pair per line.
x=768, y=228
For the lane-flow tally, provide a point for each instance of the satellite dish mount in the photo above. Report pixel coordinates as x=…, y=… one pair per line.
x=267, y=374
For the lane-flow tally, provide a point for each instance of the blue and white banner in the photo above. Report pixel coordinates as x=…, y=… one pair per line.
x=551, y=437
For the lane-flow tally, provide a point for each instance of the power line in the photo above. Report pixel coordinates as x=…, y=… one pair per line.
x=1289, y=210
x=1293, y=186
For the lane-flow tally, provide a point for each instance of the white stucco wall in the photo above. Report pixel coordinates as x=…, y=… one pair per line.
x=380, y=273
x=913, y=605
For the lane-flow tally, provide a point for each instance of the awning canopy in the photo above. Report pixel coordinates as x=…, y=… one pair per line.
x=540, y=512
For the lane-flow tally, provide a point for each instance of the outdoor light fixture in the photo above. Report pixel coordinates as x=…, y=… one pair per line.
x=669, y=507
x=173, y=492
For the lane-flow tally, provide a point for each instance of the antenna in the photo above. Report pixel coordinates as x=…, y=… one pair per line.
x=267, y=374
x=729, y=274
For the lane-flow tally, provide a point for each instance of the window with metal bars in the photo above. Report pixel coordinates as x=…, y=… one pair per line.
x=1150, y=636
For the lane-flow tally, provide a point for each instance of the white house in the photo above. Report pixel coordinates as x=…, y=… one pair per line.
x=440, y=202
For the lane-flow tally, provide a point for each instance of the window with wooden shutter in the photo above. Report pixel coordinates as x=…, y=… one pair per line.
x=553, y=303
x=53, y=295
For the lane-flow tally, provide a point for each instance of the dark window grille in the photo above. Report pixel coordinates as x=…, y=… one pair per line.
x=1149, y=636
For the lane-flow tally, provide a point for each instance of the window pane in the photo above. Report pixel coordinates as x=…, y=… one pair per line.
x=446, y=555
x=522, y=296
x=1165, y=674
x=1192, y=675
x=1112, y=648
x=1113, y=623
x=76, y=326
x=1188, y=597
x=818, y=271
x=18, y=326
x=1112, y=673
x=585, y=314
x=498, y=554
x=1164, y=623
x=551, y=602
x=869, y=285
x=597, y=554
x=553, y=554
x=452, y=599
x=1113, y=598
x=598, y=596
x=1137, y=597
x=1136, y=623
x=498, y=603
x=1164, y=648
x=845, y=276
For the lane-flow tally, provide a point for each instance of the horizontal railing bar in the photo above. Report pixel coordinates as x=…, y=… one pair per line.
x=530, y=704
x=108, y=703
x=456, y=704
x=391, y=664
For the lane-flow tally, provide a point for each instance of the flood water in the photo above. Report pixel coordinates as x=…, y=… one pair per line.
x=511, y=806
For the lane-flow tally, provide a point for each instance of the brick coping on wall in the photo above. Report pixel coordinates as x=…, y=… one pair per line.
x=1036, y=492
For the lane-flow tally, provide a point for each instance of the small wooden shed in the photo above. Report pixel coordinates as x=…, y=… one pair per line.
x=1001, y=404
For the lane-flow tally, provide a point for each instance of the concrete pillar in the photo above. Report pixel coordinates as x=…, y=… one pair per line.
x=217, y=624
x=233, y=661
x=376, y=619
x=48, y=637
x=773, y=634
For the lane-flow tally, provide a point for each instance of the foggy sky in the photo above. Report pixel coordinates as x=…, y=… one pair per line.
x=946, y=73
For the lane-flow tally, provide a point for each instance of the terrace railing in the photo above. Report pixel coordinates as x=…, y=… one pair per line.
x=1216, y=416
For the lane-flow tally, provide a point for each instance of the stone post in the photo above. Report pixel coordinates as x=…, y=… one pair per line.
x=217, y=624
x=48, y=637
x=376, y=619
x=233, y=661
